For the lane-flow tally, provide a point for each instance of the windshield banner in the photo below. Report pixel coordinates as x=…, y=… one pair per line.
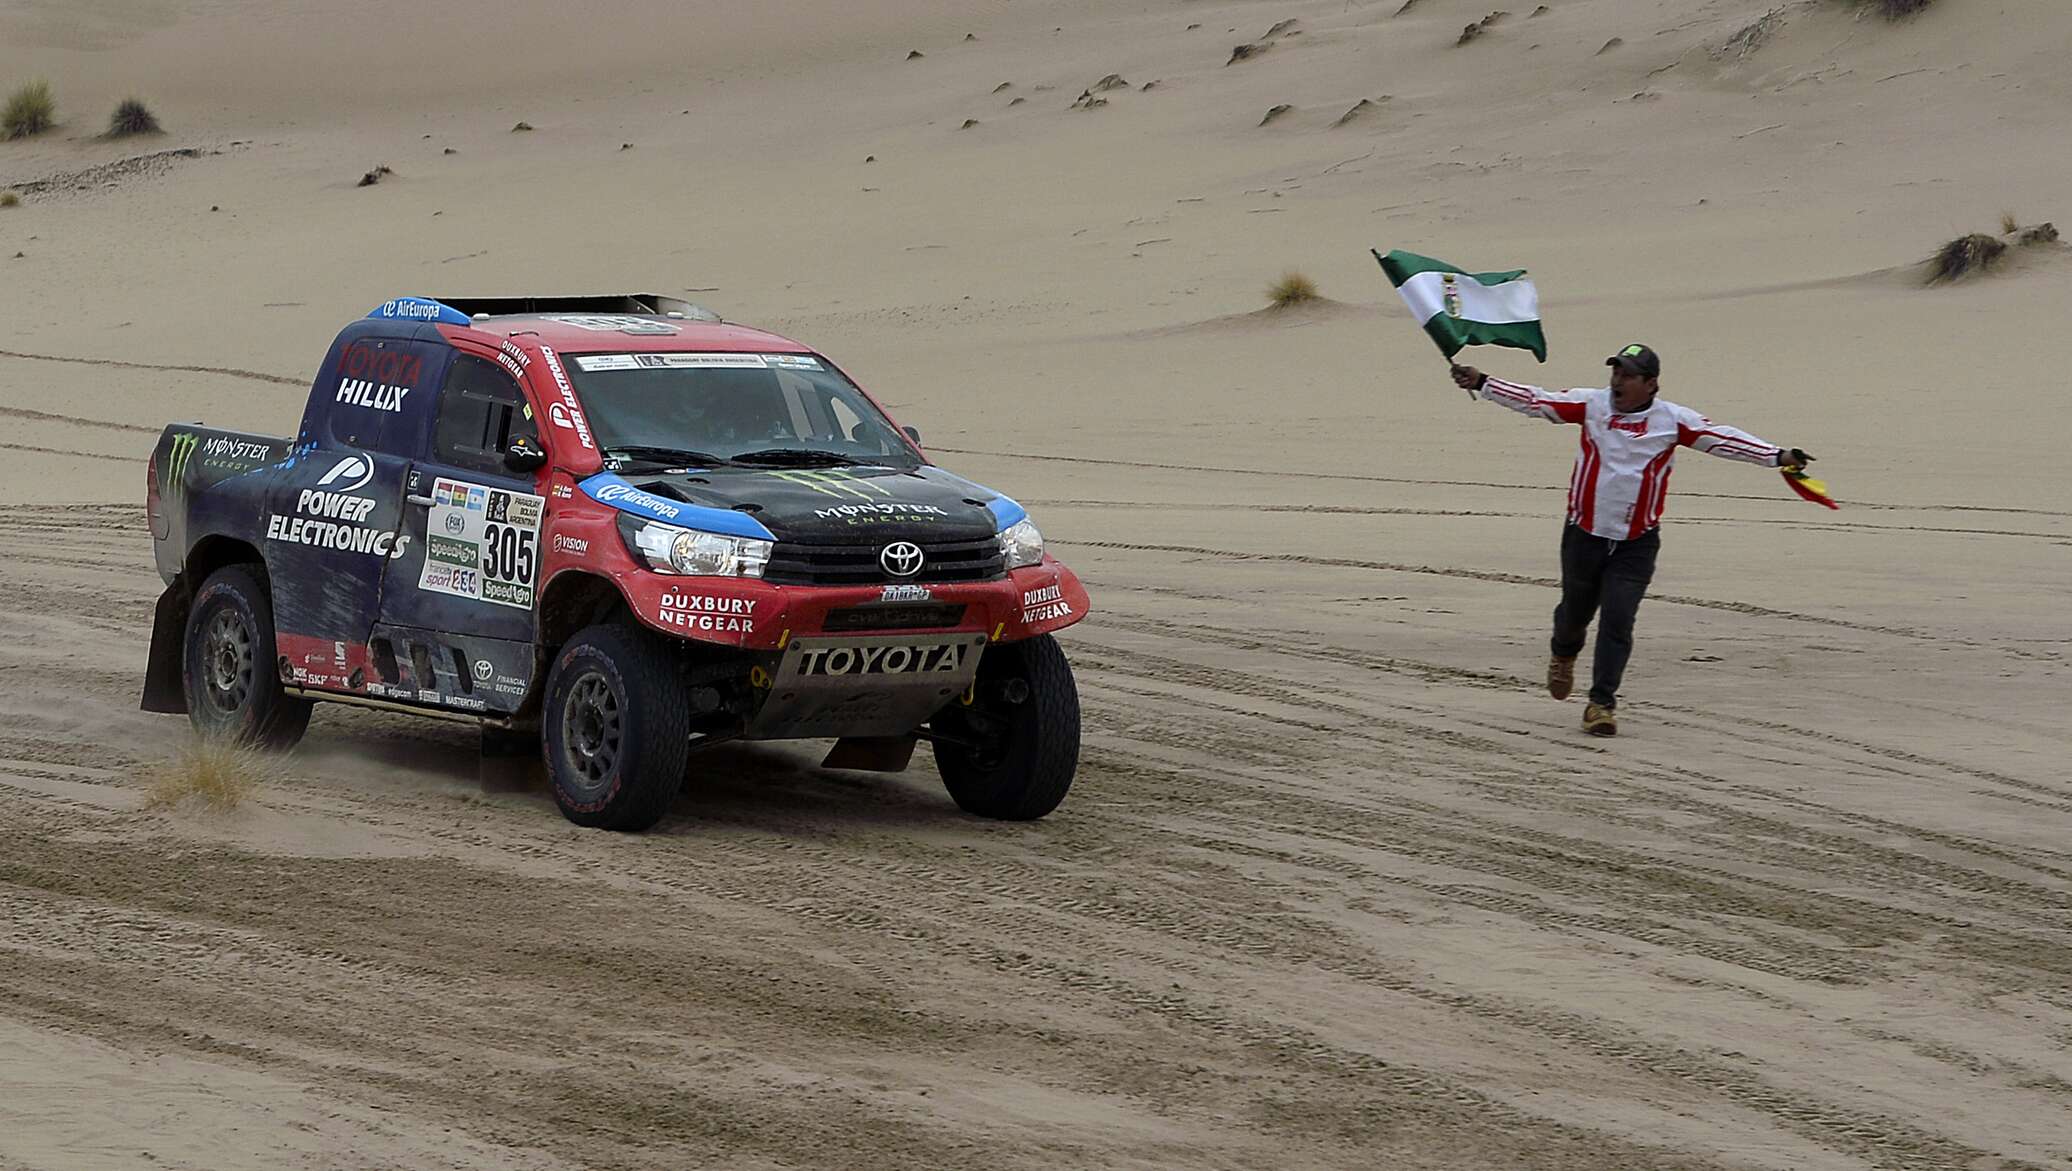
x=593, y=363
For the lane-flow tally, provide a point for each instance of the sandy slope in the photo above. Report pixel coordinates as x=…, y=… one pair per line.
x=1336, y=887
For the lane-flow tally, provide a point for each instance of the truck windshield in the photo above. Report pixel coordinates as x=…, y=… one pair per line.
x=756, y=408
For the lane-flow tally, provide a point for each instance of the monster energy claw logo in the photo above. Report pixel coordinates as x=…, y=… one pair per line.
x=176, y=463
x=833, y=483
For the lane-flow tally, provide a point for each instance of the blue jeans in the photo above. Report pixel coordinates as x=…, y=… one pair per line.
x=1605, y=579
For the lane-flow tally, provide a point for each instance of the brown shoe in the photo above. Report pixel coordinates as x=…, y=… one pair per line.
x=1561, y=676
x=1601, y=721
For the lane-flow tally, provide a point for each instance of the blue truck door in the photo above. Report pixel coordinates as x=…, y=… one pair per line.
x=470, y=530
x=331, y=524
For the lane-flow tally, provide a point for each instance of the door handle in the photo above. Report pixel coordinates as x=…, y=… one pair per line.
x=424, y=500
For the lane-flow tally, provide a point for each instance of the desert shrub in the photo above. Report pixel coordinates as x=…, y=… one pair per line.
x=1292, y=289
x=30, y=110
x=132, y=117
x=215, y=773
x=1964, y=256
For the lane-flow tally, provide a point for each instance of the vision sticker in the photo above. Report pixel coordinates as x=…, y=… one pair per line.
x=482, y=543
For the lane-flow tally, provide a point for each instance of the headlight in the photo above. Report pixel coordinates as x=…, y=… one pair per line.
x=668, y=549
x=1021, y=544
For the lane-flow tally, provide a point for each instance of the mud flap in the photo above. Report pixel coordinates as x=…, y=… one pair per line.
x=164, y=687
x=510, y=761
x=871, y=754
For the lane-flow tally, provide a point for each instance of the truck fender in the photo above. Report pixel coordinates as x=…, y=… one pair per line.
x=164, y=683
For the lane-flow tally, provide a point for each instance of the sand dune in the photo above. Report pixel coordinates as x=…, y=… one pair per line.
x=1336, y=888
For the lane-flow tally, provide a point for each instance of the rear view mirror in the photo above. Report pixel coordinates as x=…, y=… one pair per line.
x=913, y=433
x=524, y=455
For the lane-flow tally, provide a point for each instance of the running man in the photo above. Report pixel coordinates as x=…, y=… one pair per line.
x=1615, y=499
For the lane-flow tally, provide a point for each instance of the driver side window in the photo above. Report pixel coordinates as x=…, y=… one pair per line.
x=480, y=412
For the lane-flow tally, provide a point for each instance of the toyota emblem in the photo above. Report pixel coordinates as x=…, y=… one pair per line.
x=901, y=558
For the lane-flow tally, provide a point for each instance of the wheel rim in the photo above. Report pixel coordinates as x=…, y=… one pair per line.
x=227, y=662
x=989, y=731
x=592, y=732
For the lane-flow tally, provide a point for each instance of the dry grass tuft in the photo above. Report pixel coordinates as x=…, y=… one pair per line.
x=132, y=117
x=1965, y=256
x=376, y=175
x=30, y=110
x=10, y=199
x=2008, y=224
x=1894, y=9
x=216, y=773
x=1292, y=289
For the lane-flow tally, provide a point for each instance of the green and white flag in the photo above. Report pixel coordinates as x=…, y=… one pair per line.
x=1460, y=308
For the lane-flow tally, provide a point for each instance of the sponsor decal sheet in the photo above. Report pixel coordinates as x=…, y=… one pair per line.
x=482, y=543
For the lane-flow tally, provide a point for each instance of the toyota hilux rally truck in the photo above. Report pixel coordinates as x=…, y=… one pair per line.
x=610, y=530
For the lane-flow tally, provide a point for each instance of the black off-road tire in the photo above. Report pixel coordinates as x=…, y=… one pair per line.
x=617, y=725
x=1030, y=749
x=228, y=664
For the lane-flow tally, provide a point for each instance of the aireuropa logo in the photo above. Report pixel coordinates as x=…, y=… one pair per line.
x=901, y=558
x=358, y=468
x=637, y=498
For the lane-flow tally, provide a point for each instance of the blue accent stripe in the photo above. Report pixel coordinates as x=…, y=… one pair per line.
x=419, y=309
x=1006, y=513
x=613, y=490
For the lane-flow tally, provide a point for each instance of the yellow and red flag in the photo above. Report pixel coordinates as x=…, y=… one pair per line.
x=1808, y=487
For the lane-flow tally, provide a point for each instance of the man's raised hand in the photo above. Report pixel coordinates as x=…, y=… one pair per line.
x=1467, y=377
x=1793, y=459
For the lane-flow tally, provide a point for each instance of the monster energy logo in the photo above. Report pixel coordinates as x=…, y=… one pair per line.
x=829, y=482
x=176, y=464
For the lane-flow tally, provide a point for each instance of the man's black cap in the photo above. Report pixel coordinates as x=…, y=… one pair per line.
x=1637, y=359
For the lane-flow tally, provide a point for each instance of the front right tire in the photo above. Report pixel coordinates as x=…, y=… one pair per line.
x=617, y=728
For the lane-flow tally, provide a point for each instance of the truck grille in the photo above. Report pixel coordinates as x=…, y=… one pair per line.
x=797, y=564
x=893, y=616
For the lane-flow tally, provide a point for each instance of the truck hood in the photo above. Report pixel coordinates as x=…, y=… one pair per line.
x=814, y=506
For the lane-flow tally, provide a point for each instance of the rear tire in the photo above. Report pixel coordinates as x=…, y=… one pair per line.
x=228, y=664
x=617, y=724
x=1026, y=752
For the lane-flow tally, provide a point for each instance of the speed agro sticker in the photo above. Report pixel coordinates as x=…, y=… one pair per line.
x=481, y=543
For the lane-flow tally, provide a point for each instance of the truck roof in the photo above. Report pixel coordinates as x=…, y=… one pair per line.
x=652, y=332
x=631, y=323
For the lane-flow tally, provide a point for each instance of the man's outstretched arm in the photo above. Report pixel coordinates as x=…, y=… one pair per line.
x=1699, y=433
x=1555, y=406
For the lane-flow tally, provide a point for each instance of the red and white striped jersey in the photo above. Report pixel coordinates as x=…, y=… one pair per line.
x=1622, y=473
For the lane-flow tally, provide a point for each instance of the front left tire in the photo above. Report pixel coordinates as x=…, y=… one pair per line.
x=1012, y=752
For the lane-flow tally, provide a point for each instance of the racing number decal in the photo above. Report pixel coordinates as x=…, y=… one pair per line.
x=481, y=543
x=507, y=554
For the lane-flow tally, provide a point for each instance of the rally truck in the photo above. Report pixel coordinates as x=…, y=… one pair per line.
x=610, y=530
